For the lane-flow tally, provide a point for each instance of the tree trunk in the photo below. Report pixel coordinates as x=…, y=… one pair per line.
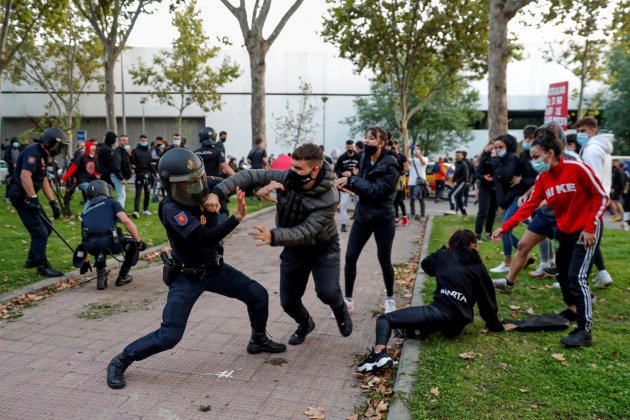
x=258, y=67
x=404, y=132
x=110, y=90
x=497, y=68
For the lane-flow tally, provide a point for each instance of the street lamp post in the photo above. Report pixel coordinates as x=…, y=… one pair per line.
x=142, y=102
x=324, y=99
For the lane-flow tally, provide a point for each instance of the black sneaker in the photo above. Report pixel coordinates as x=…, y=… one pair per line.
x=550, y=271
x=577, y=338
x=569, y=315
x=344, y=322
x=266, y=346
x=529, y=262
x=120, y=281
x=47, y=271
x=343, y=227
x=116, y=371
x=375, y=361
x=300, y=334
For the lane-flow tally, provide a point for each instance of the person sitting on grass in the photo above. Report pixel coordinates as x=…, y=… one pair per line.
x=462, y=281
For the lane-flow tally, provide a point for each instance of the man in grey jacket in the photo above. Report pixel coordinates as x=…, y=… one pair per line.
x=305, y=225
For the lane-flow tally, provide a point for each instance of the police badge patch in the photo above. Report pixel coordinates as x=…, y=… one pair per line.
x=190, y=164
x=181, y=218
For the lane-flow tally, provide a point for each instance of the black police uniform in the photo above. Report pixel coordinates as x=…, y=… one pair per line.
x=101, y=237
x=194, y=238
x=212, y=157
x=32, y=158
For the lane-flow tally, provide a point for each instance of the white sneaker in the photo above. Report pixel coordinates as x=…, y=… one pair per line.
x=556, y=285
x=603, y=279
x=538, y=273
x=135, y=215
x=390, y=305
x=349, y=306
x=147, y=213
x=501, y=268
x=502, y=284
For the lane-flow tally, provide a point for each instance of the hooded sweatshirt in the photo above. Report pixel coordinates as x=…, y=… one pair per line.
x=597, y=154
x=504, y=168
x=84, y=169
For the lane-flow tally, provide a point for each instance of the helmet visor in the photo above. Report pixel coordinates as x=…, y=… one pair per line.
x=191, y=192
x=59, y=148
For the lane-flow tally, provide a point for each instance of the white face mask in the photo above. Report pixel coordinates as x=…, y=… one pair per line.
x=177, y=142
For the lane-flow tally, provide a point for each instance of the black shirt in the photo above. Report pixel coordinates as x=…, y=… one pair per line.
x=256, y=156
x=33, y=159
x=142, y=160
x=346, y=163
x=212, y=158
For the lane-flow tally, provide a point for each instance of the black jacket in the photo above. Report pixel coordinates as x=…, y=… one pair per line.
x=103, y=160
x=462, y=281
x=461, y=174
x=346, y=163
x=376, y=187
x=142, y=160
x=485, y=170
x=120, y=164
x=527, y=171
x=303, y=218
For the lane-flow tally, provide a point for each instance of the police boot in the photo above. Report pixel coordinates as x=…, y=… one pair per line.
x=45, y=269
x=259, y=342
x=101, y=278
x=116, y=371
x=123, y=277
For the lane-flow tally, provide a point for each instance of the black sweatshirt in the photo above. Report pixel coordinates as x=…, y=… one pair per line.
x=462, y=281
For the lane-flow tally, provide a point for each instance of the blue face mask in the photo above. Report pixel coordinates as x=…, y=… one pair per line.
x=526, y=146
x=16, y=145
x=539, y=165
x=144, y=144
x=582, y=138
x=177, y=142
x=502, y=153
x=127, y=147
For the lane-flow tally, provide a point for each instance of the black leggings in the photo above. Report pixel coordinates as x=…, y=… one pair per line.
x=384, y=232
x=399, y=201
x=427, y=319
x=487, y=211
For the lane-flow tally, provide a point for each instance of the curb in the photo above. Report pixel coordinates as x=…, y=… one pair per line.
x=410, y=354
x=111, y=264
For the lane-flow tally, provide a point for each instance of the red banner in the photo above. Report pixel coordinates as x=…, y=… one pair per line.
x=557, y=109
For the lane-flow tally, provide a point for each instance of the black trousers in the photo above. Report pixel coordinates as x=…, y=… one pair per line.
x=439, y=187
x=384, y=232
x=487, y=211
x=574, y=264
x=427, y=319
x=104, y=245
x=399, y=201
x=36, y=227
x=456, y=197
x=182, y=295
x=143, y=183
x=296, y=265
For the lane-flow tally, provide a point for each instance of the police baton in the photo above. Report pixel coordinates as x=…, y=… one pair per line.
x=49, y=223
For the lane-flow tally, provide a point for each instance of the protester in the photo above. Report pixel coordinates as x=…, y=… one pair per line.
x=579, y=200
x=142, y=165
x=461, y=281
x=487, y=197
x=460, y=179
x=401, y=187
x=439, y=174
x=375, y=184
x=417, y=181
x=120, y=168
x=348, y=164
x=104, y=156
x=83, y=170
x=11, y=154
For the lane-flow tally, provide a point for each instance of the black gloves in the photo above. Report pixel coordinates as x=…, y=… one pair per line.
x=142, y=245
x=32, y=203
x=55, y=209
x=85, y=267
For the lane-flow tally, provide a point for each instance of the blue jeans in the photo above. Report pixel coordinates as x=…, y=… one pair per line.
x=121, y=193
x=509, y=239
x=83, y=187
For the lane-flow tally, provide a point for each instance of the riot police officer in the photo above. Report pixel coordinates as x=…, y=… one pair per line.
x=212, y=155
x=101, y=236
x=30, y=177
x=196, y=264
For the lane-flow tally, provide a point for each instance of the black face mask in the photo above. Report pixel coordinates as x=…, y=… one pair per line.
x=298, y=181
x=370, y=150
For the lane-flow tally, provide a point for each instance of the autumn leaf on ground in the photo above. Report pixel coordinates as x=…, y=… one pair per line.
x=515, y=307
x=509, y=327
x=435, y=391
x=524, y=390
x=530, y=311
x=355, y=416
x=558, y=356
x=382, y=407
x=316, y=413
x=468, y=355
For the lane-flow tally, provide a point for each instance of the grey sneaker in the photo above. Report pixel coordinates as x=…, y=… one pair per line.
x=603, y=279
x=502, y=284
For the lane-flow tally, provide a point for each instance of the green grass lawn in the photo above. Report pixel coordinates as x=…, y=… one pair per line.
x=15, y=238
x=514, y=374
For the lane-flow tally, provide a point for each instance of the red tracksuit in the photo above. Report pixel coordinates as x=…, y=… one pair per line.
x=579, y=200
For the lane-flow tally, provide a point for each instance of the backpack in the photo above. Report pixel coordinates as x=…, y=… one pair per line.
x=436, y=168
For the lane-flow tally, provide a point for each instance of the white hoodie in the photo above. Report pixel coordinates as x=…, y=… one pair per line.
x=597, y=154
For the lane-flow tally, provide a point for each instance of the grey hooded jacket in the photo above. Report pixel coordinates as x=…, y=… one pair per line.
x=303, y=218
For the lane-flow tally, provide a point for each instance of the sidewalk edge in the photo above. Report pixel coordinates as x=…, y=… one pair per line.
x=410, y=354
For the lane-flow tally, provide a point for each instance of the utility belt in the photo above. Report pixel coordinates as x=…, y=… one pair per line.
x=116, y=234
x=172, y=269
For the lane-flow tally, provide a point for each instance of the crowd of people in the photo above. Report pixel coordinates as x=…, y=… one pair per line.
x=559, y=184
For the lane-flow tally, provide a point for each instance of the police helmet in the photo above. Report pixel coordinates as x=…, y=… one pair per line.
x=98, y=187
x=54, y=140
x=183, y=176
x=207, y=136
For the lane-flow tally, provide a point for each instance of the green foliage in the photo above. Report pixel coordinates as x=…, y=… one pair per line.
x=514, y=375
x=182, y=77
x=444, y=122
x=295, y=128
x=419, y=46
x=616, y=115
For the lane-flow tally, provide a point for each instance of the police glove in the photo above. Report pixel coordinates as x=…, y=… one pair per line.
x=32, y=203
x=85, y=267
x=142, y=245
x=55, y=209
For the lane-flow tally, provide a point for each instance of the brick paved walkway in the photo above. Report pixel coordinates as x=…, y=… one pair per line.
x=52, y=363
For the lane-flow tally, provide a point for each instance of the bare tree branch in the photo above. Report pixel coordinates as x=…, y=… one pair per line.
x=283, y=21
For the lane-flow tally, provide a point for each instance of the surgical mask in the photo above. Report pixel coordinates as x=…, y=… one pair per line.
x=298, y=181
x=177, y=142
x=15, y=145
x=582, y=138
x=502, y=153
x=144, y=144
x=370, y=150
x=127, y=147
x=539, y=165
x=162, y=147
x=526, y=146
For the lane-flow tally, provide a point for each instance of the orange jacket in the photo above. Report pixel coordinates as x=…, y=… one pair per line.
x=441, y=175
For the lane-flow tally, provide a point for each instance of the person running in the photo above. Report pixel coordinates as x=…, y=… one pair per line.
x=375, y=184
x=579, y=201
x=462, y=280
